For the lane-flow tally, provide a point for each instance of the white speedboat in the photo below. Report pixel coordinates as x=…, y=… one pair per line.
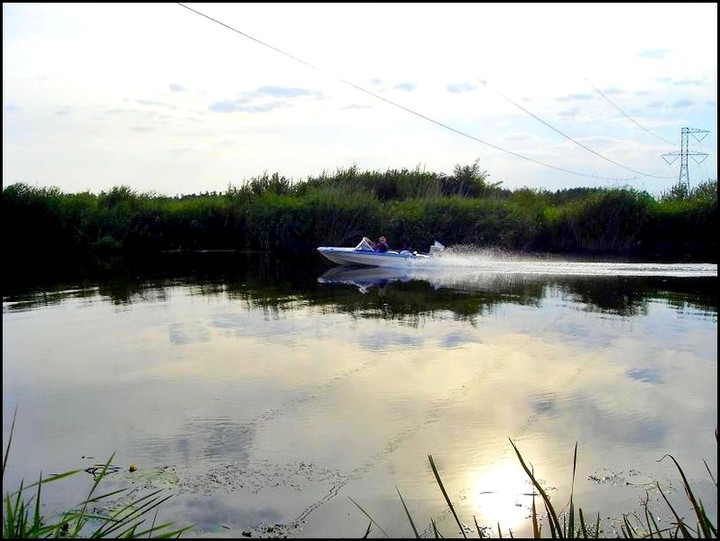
x=363, y=254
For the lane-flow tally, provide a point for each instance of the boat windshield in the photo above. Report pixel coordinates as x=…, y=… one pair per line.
x=364, y=244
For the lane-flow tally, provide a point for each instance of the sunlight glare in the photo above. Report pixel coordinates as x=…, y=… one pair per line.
x=502, y=494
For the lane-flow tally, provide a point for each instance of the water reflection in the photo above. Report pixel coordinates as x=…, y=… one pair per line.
x=277, y=393
x=365, y=278
x=410, y=295
x=624, y=294
x=208, y=439
x=393, y=294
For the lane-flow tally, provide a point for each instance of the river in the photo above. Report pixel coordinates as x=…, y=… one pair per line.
x=274, y=397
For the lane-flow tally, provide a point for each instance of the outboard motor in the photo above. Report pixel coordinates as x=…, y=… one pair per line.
x=436, y=248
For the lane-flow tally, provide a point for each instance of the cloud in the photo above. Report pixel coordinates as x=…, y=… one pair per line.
x=655, y=54
x=689, y=82
x=224, y=107
x=239, y=106
x=46, y=70
x=568, y=114
x=355, y=106
x=406, y=86
x=156, y=103
x=263, y=99
x=683, y=104
x=459, y=88
x=282, y=92
x=614, y=90
x=381, y=84
x=573, y=97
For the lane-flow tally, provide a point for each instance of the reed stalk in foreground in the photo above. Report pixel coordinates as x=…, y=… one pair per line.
x=573, y=526
x=22, y=518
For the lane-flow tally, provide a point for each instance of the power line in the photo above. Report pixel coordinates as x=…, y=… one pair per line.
x=424, y=117
x=626, y=115
x=566, y=136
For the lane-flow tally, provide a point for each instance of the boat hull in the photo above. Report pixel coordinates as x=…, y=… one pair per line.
x=352, y=256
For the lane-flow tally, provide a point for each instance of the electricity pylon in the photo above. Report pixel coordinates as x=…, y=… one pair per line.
x=684, y=178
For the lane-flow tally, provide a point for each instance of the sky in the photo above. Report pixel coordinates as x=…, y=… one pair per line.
x=174, y=99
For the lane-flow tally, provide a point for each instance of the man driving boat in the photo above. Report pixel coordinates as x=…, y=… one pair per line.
x=381, y=245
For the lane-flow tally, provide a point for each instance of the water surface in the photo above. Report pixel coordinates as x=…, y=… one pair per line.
x=274, y=393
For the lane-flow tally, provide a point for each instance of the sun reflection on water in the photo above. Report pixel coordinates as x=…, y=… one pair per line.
x=501, y=495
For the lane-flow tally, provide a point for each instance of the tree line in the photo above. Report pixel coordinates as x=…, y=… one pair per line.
x=273, y=214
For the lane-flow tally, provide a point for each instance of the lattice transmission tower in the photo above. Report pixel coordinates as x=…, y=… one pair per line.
x=685, y=152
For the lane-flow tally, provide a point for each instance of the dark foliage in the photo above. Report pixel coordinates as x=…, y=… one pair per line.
x=47, y=230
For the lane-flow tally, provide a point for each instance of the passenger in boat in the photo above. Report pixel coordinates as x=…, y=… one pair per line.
x=381, y=245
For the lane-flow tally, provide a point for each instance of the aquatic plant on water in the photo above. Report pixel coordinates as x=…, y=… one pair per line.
x=22, y=517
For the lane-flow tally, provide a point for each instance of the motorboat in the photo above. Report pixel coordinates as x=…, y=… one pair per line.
x=364, y=254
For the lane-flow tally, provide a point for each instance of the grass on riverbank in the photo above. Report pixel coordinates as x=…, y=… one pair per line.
x=571, y=523
x=22, y=517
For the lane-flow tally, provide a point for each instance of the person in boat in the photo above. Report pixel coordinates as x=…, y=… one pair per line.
x=381, y=245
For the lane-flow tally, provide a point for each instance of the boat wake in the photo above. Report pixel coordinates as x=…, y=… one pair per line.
x=493, y=262
x=487, y=269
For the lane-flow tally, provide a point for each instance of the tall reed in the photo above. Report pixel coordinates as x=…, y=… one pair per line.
x=573, y=524
x=22, y=517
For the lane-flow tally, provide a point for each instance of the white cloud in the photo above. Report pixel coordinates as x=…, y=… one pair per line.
x=100, y=94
